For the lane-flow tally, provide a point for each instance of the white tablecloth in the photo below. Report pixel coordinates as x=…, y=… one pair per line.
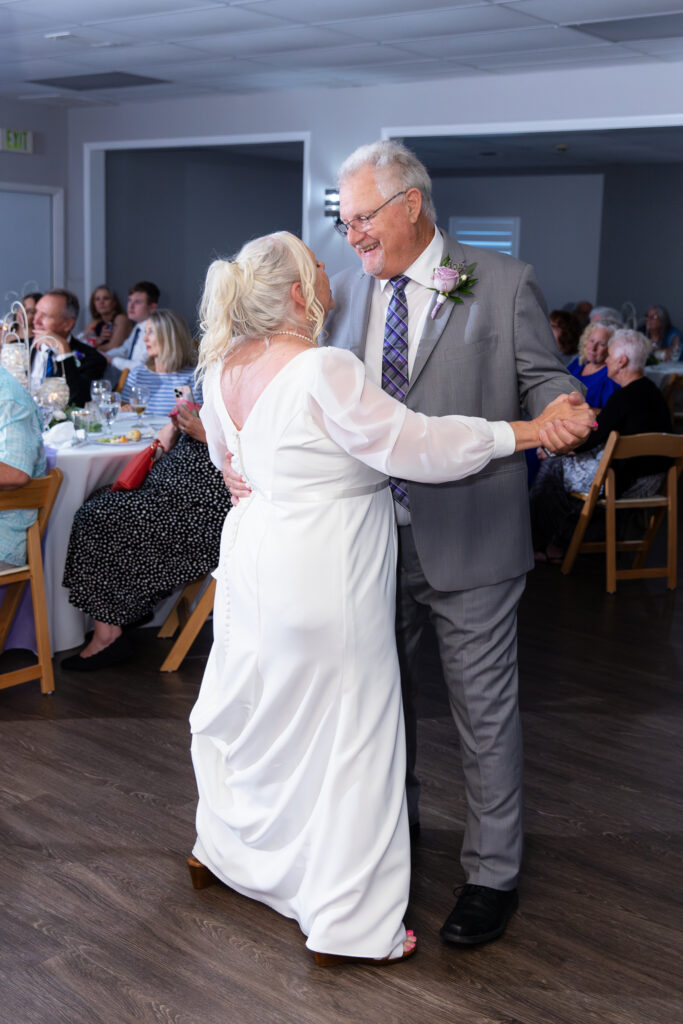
x=661, y=372
x=85, y=469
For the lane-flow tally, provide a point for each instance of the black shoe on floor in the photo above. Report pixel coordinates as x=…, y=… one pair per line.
x=480, y=915
x=117, y=651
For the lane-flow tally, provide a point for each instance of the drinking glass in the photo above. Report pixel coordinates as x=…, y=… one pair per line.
x=139, y=397
x=98, y=389
x=110, y=407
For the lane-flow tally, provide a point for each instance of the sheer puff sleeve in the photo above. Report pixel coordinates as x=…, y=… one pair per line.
x=381, y=432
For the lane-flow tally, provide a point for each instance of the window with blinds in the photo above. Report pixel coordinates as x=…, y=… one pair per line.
x=499, y=233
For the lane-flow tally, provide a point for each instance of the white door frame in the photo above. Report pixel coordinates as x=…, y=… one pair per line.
x=57, y=209
x=94, y=195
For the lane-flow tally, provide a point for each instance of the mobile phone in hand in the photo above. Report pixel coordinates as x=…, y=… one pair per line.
x=183, y=395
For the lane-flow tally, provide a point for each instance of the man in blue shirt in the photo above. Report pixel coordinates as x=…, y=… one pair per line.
x=21, y=458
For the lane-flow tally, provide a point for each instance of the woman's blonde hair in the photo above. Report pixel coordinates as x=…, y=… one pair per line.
x=250, y=295
x=176, y=347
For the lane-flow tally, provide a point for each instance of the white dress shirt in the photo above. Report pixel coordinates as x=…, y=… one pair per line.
x=418, y=291
x=132, y=352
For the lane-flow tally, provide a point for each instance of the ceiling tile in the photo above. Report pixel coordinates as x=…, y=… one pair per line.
x=268, y=41
x=662, y=26
x=315, y=12
x=216, y=20
x=659, y=47
x=79, y=41
x=547, y=58
x=409, y=26
x=87, y=11
x=564, y=12
x=512, y=41
x=356, y=55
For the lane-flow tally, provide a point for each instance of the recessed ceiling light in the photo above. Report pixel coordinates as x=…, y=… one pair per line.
x=562, y=147
x=59, y=35
x=488, y=152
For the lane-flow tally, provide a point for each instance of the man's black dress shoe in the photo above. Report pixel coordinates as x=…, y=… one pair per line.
x=480, y=915
x=117, y=651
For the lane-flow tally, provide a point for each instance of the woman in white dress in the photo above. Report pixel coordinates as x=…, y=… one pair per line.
x=298, y=743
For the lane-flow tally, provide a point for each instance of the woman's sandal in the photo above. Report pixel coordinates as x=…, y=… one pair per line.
x=336, y=960
x=200, y=874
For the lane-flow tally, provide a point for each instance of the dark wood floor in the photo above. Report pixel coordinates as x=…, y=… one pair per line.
x=99, y=924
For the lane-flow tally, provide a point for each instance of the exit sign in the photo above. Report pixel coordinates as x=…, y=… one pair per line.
x=16, y=141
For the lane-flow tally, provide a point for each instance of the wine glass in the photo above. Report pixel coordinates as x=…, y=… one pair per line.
x=138, y=399
x=110, y=407
x=99, y=389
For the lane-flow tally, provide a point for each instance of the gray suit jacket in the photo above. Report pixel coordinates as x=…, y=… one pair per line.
x=492, y=356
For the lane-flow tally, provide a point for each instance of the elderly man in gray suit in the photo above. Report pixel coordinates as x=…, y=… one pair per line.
x=465, y=547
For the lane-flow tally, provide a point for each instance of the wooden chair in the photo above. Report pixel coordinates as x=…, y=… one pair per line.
x=672, y=384
x=39, y=494
x=190, y=622
x=662, y=504
x=122, y=380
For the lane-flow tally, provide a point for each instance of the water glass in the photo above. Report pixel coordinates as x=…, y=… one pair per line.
x=110, y=407
x=98, y=389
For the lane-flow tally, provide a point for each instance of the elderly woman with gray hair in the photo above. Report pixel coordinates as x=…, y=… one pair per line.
x=665, y=338
x=589, y=365
x=637, y=407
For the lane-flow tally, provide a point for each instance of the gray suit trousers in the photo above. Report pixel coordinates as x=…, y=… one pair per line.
x=477, y=636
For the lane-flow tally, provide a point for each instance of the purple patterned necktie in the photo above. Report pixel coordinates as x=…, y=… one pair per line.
x=395, y=362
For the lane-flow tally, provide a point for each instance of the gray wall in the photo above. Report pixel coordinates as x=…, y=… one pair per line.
x=642, y=232
x=29, y=255
x=47, y=165
x=560, y=224
x=169, y=212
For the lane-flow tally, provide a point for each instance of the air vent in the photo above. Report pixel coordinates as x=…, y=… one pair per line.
x=107, y=80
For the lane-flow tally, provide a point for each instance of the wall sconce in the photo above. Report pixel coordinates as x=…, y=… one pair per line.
x=332, y=202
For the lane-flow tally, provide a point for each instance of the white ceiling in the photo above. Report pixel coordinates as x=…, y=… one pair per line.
x=230, y=46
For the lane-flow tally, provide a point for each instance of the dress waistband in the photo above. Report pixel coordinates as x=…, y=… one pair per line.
x=318, y=495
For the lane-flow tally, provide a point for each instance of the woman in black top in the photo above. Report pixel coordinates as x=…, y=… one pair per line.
x=637, y=408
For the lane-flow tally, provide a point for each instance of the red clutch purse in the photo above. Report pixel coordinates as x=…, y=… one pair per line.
x=134, y=473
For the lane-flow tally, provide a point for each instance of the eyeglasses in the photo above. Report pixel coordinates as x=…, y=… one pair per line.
x=361, y=222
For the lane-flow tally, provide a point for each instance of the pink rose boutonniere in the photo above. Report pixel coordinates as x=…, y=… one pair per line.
x=452, y=281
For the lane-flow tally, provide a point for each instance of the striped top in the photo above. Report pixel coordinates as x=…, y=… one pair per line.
x=160, y=387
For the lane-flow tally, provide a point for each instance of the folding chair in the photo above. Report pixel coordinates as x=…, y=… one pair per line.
x=661, y=504
x=189, y=622
x=39, y=494
x=672, y=384
x=122, y=380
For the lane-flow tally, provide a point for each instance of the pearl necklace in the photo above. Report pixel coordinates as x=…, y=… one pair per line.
x=291, y=334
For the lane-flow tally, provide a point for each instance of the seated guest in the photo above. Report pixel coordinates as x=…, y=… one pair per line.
x=606, y=315
x=565, y=327
x=589, y=366
x=56, y=313
x=143, y=299
x=637, y=407
x=666, y=339
x=170, y=362
x=29, y=302
x=108, y=325
x=129, y=549
x=21, y=458
x=582, y=311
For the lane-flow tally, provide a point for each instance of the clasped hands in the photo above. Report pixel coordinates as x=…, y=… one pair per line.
x=565, y=423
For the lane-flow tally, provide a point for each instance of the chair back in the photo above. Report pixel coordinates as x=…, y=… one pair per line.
x=636, y=445
x=39, y=494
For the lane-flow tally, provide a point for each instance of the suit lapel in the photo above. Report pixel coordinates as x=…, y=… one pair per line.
x=433, y=329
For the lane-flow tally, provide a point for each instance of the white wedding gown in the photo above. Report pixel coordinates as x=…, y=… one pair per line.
x=298, y=742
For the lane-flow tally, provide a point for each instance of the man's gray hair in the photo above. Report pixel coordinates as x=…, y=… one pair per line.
x=632, y=344
x=406, y=170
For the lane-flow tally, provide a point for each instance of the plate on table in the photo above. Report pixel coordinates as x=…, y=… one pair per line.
x=120, y=440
